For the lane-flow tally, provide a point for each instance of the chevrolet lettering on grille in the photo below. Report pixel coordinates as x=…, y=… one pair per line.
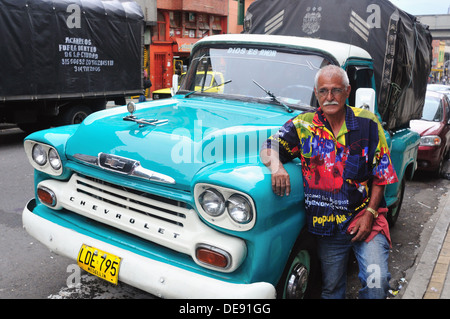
x=123, y=218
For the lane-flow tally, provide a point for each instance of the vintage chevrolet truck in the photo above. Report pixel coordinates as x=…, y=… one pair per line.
x=170, y=196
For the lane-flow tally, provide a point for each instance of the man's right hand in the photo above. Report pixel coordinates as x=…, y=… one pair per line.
x=281, y=183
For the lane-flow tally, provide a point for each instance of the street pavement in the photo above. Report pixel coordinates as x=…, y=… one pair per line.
x=430, y=278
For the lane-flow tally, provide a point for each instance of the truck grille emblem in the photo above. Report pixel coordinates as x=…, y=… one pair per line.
x=117, y=163
x=125, y=166
x=114, y=163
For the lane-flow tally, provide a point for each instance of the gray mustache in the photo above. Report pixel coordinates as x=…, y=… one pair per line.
x=330, y=103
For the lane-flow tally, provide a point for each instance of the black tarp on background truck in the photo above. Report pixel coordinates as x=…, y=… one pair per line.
x=66, y=50
x=399, y=45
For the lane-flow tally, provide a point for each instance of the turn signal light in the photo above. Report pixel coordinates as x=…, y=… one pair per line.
x=213, y=257
x=46, y=196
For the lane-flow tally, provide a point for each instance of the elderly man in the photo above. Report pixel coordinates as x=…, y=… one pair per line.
x=345, y=166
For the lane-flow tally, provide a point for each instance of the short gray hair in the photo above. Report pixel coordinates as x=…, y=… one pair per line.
x=333, y=69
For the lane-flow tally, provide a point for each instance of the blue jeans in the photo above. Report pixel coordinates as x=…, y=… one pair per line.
x=372, y=259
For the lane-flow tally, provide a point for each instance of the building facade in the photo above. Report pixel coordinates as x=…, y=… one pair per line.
x=437, y=64
x=181, y=23
x=172, y=28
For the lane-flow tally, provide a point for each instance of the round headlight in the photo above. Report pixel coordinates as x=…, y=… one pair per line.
x=212, y=202
x=39, y=155
x=239, y=209
x=54, y=160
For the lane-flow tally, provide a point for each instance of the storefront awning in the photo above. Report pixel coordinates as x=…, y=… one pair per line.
x=184, y=44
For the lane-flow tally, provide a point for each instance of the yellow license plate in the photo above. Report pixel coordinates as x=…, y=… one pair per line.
x=99, y=263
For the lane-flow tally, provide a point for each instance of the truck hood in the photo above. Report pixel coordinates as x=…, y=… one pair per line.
x=199, y=132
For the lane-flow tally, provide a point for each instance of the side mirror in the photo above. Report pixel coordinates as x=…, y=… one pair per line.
x=365, y=99
x=174, y=88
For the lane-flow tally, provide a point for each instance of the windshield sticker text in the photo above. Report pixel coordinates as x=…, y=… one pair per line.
x=245, y=51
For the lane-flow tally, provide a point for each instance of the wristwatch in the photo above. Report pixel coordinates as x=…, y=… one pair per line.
x=373, y=211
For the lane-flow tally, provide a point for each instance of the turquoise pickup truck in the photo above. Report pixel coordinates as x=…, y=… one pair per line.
x=170, y=196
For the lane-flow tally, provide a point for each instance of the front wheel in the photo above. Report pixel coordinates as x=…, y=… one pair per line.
x=440, y=170
x=299, y=280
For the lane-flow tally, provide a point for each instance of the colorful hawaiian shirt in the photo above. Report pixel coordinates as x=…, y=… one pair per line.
x=337, y=171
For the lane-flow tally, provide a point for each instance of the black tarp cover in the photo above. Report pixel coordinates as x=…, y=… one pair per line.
x=69, y=48
x=399, y=45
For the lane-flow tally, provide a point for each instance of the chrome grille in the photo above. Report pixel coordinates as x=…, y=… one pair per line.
x=161, y=208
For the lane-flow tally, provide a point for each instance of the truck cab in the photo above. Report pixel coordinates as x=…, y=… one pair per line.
x=172, y=194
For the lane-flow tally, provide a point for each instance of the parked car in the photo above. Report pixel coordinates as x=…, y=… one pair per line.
x=443, y=88
x=434, y=130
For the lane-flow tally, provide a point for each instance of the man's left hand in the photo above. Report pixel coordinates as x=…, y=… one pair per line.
x=363, y=227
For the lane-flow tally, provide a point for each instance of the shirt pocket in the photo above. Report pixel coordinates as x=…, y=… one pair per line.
x=356, y=168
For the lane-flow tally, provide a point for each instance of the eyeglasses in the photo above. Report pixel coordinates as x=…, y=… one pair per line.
x=334, y=92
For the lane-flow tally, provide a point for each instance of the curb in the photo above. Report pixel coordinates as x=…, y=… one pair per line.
x=425, y=270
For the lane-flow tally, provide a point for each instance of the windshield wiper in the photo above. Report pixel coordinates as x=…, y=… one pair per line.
x=274, y=98
x=209, y=88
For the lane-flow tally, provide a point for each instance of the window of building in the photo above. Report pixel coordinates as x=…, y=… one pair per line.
x=175, y=24
x=161, y=28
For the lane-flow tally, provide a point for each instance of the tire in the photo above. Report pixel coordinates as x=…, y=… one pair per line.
x=394, y=210
x=74, y=115
x=440, y=170
x=300, y=277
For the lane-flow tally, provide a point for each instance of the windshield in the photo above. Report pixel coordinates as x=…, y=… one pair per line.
x=432, y=110
x=237, y=71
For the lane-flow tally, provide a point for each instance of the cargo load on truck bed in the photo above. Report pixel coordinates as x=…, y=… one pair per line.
x=399, y=45
x=69, y=48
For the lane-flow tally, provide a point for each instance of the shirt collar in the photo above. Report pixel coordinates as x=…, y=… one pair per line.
x=350, y=119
